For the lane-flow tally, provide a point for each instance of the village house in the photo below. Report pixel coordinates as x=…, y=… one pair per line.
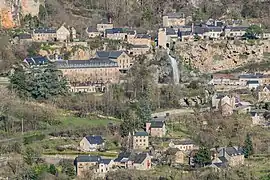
x=139, y=50
x=140, y=39
x=94, y=70
x=82, y=87
x=92, y=165
x=119, y=34
x=253, y=84
x=235, y=31
x=227, y=105
x=166, y=36
x=264, y=94
x=121, y=57
x=93, y=32
x=156, y=128
x=213, y=32
x=258, y=118
x=25, y=38
x=266, y=79
x=44, y=35
x=175, y=156
x=92, y=143
x=104, y=25
x=63, y=34
x=185, y=145
x=229, y=156
x=140, y=140
x=129, y=160
x=174, y=19
x=224, y=79
x=244, y=78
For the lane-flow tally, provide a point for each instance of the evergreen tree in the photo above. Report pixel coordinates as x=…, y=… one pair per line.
x=38, y=83
x=143, y=111
x=248, y=147
x=52, y=169
x=202, y=157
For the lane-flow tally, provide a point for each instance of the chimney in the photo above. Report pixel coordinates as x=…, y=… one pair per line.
x=110, y=20
x=192, y=28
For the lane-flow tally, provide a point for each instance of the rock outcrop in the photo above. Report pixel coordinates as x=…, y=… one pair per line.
x=212, y=56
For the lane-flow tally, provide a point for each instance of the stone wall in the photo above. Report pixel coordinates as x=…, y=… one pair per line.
x=212, y=56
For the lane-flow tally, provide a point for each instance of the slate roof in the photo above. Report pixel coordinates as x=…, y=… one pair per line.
x=223, y=159
x=157, y=124
x=215, y=29
x=142, y=133
x=45, y=30
x=37, y=60
x=251, y=76
x=123, y=155
x=140, y=46
x=139, y=158
x=170, y=31
x=199, y=30
x=183, y=142
x=237, y=28
x=252, y=113
x=143, y=36
x=252, y=82
x=109, y=54
x=185, y=33
x=94, y=139
x=114, y=30
x=25, y=36
x=91, y=63
x=86, y=158
x=92, y=29
x=105, y=161
x=174, y=15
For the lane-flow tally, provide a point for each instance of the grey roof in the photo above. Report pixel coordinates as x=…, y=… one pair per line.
x=92, y=29
x=37, y=60
x=175, y=15
x=232, y=151
x=131, y=32
x=91, y=63
x=185, y=33
x=251, y=76
x=45, y=30
x=220, y=165
x=252, y=82
x=200, y=30
x=94, y=139
x=223, y=159
x=139, y=158
x=252, y=113
x=183, y=142
x=157, y=124
x=87, y=158
x=122, y=155
x=140, y=46
x=237, y=28
x=142, y=133
x=215, y=29
x=170, y=31
x=105, y=161
x=143, y=36
x=25, y=36
x=109, y=54
x=114, y=30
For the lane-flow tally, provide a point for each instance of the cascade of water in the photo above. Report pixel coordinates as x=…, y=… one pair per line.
x=174, y=68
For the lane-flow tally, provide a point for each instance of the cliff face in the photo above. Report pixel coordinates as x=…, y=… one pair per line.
x=10, y=11
x=221, y=55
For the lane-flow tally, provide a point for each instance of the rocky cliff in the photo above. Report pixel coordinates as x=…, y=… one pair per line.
x=212, y=56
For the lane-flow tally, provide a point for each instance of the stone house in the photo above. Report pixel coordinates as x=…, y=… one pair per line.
x=175, y=156
x=139, y=50
x=224, y=79
x=91, y=143
x=140, y=140
x=95, y=165
x=104, y=25
x=265, y=79
x=185, y=145
x=227, y=105
x=93, y=32
x=129, y=160
x=82, y=87
x=213, y=32
x=166, y=36
x=231, y=156
x=244, y=78
x=62, y=34
x=94, y=70
x=253, y=84
x=119, y=34
x=235, y=31
x=121, y=57
x=140, y=39
x=25, y=38
x=257, y=118
x=174, y=19
x=44, y=35
x=264, y=94
x=156, y=128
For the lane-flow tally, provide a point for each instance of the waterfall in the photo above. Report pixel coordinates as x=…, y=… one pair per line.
x=174, y=68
